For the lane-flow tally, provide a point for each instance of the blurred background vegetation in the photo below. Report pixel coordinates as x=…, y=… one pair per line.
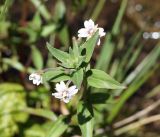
x=130, y=53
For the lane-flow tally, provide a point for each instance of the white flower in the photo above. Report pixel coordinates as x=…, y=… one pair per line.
x=37, y=79
x=64, y=92
x=89, y=30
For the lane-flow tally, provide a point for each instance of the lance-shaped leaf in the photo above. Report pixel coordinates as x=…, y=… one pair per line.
x=100, y=79
x=58, y=127
x=89, y=46
x=77, y=78
x=55, y=75
x=58, y=54
x=85, y=119
x=37, y=58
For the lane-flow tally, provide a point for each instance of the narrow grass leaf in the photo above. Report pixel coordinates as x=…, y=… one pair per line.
x=127, y=94
x=97, y=10
x=116, y=26
x=142, y=72
x=106, y=53
x=134, y=57
x=148, y=62
x=131, y=45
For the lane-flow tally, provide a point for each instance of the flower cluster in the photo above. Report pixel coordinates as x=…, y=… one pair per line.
x=89, y=30
x=64, y=92
x=37, y=79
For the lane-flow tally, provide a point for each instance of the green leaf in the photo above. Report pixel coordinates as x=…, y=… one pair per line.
x=75, y=55
x=75, y=48
x=64, y=35
x=89, y=46
x=48, y=29
x=100, y=79
x=58, y=127
x=62, y=77
x=4, y=26
x=77, y=78
x=41, y=129
x=85, y=119
x=58, y=54
x=4, y=9
x=42, y=9
x=7, y=87
x=41, y=113
x=12, y=101
x=36, y=22
x=30, y=132
x=13, y=63
x=55, y=75
x=60, y=10
x=37, y=58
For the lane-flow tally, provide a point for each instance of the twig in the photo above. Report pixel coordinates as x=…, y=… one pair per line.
x=137, y=115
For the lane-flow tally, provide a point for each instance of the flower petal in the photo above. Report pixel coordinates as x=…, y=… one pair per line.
x=83, y=33
x=101, y=32
x=89, y=24
x=72, y=90
x=63, y=85
x=35, y=81
x=57, y=95
x=31, y=77
x=38, y=82
x=60, y=87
